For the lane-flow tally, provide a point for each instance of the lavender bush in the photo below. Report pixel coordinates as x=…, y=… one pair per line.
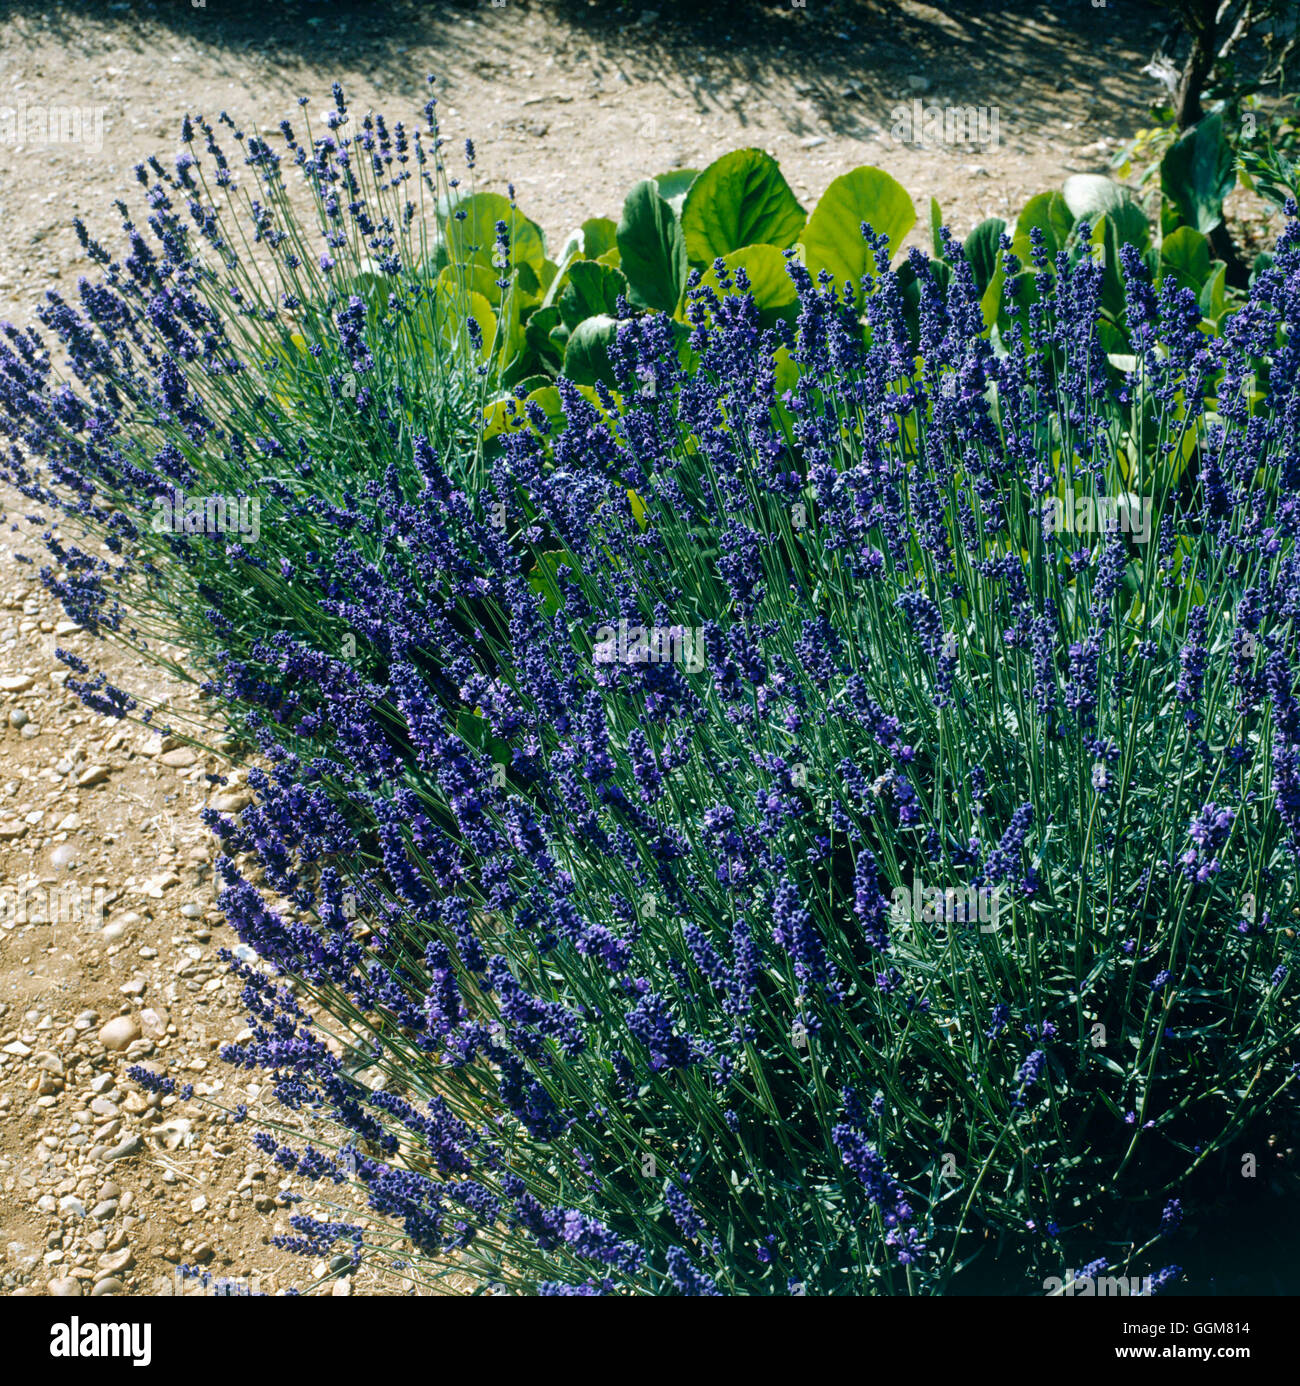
x=822, y=820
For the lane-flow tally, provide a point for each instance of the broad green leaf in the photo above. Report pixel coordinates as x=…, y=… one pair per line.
x=508, y=414
x=586, y=359
x=1211, y=297
x=833, y=237
x=1105, y=237
x=599, y=234
x=1198, y=172
x=991, y=304
x=592, y=290
x=452, y=319
x=651, y=248
x=473, y=238
x=537, y=332
x=1049, y=212
x=770, y=284
x=741, y=199
x=1091, y=195
x=1185, y=254
x=674, y=186
x=981, y=248
x=455, y=281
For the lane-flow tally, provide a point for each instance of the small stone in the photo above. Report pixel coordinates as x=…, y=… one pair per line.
x=18, y=718
x=66, y=1287
x=179, y=759
x=113, y=932
x=135, y=987
x=115, y=1261
x=109, y=1285
x=65, y=854
x=95, y=774
x=153, y=1022
x=192, y=911
x=11, y=828
x=232, y=801
x=72, y=1207
x=203, y=1253
x=197, y=1205
x=15, y=683
x=17, y=1048
x=30, y=732
x=102, y=1212
x=124, y=1149
x=120, y=1032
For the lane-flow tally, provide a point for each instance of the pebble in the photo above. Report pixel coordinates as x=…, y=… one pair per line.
x=18, y=718
x=72, y=1207
x=153, y=1022
x=109, y=1285
x=96, y=774
x=30, y=732
x=179, y=759
x=16, y=683
x=123, y=1149
x=101, y=1212
x=66, y=1287
x=120, y=1032
x=115, y=1261
x=65, y=854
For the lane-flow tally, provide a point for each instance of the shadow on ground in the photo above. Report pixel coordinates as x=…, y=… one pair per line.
x=849, y=56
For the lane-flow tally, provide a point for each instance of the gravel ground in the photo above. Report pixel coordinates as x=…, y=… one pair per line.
x=104, y=1189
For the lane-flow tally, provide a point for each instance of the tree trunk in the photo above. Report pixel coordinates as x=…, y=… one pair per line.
x=1199, y=17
